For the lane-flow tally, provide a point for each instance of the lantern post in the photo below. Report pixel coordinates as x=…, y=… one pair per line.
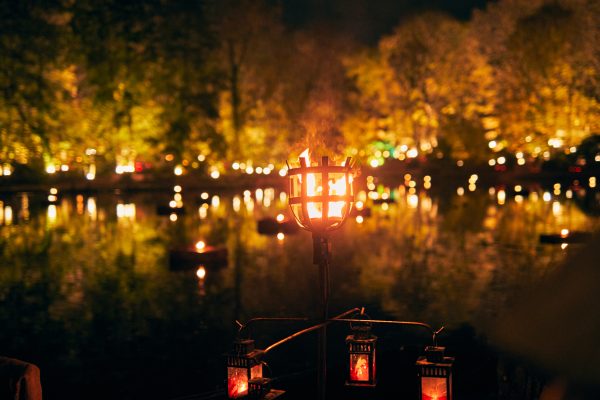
x=321, y=197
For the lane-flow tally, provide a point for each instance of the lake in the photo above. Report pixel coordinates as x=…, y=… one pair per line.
x=87, y=291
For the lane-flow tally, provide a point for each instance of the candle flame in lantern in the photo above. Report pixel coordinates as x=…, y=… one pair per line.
x=359, y=367
x=237, y=382
x=434, y=388
x=336, y=188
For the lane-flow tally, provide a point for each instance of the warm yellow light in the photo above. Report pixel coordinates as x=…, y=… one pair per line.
x=280, y=217
x=501, y=160
x=492, y=144
x=283, y=172
x=564, y=233
x=359, y=205
x=359, y=219
x=215, y=174
x=280, y=236
x=258, y=170
x=200, y=245
x=413, y=201
x=592, y=181
x=337, y=187
x=178, y=170
x=521, y=161
x=53, y=190
x=201, y=272
x=235, y=165
x=204, y=196
x=518, y=188
x=374, y=163
x=173, y=217
x=201, y=157
x=172, y=204
x=460, y=163
x=249, y=170
x=547, y=196
x=556, y=209
x=564, y=245
x=52, y=198
x=501, y=196
x=460, y=191
x=492, y=162
x=64, y=168
x=50, y=169
x=177, y=189
x=412, y=153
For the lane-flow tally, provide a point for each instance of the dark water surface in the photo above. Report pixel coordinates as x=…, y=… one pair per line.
x=86, y=291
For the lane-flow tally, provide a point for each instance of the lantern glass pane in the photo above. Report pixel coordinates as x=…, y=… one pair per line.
x=433, y=388
x=237, y=382
x=256, y=371
x=359, y=367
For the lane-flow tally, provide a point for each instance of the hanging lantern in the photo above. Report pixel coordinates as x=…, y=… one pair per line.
x=361, y=356
x=435, y=373
x=242, y=366
x=321, y=196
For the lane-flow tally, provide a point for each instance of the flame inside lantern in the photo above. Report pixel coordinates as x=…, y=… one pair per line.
x=237, y=382
x=313, y=188
x=433, y=388
x=359, y=367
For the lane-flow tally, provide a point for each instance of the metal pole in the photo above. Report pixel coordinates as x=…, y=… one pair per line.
x=321, y=259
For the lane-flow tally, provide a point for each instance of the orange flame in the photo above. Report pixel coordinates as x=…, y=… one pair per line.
x=337, y=187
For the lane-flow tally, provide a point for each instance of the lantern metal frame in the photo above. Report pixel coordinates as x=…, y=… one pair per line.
x=301, y=197
x=361, y=344
x=433, y=367
x=243, y=357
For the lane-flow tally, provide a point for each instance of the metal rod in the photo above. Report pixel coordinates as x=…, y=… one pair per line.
x=309, y=329
x=433, y=332
x=323, y=263
x=266, y=319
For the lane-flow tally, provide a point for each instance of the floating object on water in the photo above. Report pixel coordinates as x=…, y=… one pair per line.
x=189, y=257
x=270, y=226
x=565, y=236
x=166, y=210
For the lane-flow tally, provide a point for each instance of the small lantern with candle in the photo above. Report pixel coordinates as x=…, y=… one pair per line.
x=361, y=356
x=243, y=365
x=435, y=373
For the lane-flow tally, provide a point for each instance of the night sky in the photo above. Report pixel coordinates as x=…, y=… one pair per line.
x=365, y=20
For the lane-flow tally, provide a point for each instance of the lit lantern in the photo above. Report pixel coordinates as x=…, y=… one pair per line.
x=321, y=196
x=435, y=373
x=361, y=356
x=242, y=366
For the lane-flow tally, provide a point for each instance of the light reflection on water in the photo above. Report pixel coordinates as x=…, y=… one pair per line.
x=81, y=287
